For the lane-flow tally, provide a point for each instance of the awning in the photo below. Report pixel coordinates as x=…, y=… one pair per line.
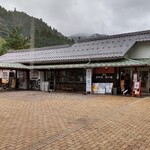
x=10, y=65
x=117, y=63
x=145, y=60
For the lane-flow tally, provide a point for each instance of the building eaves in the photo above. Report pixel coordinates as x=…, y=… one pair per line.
x=115, y=63
x=8, y=65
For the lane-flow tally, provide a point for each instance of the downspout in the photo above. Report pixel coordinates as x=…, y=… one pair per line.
x=87, y=63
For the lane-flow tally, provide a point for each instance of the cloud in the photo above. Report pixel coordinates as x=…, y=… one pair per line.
x=87, y=16
x=129, y=15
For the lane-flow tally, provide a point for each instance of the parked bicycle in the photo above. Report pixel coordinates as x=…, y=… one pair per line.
x=35, y=84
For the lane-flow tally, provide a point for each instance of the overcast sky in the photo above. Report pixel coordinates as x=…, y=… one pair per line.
x=87, y=16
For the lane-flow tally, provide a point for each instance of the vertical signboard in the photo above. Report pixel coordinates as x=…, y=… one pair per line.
x=88, y=80
x=136, y=90
x=5, y=77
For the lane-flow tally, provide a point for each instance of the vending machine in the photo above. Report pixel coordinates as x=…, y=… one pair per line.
x=8, y=79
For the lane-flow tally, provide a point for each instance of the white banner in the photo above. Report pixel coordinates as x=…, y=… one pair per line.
x=88, y=80
x=102, y=88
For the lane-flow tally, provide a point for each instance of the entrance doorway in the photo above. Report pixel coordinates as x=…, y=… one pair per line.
x=143, y=76
x=51, y=79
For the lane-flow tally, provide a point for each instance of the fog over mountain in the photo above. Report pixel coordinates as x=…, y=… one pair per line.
x=87, y=16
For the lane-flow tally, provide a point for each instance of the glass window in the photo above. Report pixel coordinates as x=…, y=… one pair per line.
x=50, y=75
x=63, y=75
x=70, y=75
x=143, y=76
x=80, y=75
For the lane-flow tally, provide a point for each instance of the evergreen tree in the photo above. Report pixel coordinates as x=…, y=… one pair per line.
x=3, y=48
x=16, y=40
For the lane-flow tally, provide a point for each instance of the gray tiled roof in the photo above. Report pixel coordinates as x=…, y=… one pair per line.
x=115, y=46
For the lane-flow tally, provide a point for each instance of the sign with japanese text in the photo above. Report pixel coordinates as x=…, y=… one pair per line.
x=88, y=80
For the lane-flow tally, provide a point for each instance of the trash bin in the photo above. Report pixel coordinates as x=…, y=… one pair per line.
x=46, y=86
x=114, y=91
x=42, y=86
x=118, y=90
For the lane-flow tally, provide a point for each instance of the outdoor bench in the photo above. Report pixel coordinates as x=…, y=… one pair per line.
x=68, y=88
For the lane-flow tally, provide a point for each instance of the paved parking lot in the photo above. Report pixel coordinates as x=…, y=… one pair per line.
x=64, y=121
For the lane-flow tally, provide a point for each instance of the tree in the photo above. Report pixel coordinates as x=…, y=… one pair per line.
x=3, y=49
x=16, y=40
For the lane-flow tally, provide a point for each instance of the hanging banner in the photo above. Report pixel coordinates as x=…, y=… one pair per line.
x=88, y=80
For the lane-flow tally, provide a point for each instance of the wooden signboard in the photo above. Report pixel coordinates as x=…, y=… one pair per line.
x=106, y=70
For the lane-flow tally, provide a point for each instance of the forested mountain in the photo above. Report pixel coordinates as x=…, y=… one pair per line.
x=40, y=33
x=86, y=37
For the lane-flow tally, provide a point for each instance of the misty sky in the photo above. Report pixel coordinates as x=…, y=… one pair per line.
x=87, y=16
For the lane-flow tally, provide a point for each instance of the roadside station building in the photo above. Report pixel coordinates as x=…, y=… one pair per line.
x=94, y=66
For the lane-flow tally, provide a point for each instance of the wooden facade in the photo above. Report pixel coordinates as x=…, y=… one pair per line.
x=66, y=79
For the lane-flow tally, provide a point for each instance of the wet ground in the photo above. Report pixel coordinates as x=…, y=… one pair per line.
x=32, y=120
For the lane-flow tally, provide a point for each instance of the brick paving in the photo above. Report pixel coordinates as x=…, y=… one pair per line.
x=32, y=120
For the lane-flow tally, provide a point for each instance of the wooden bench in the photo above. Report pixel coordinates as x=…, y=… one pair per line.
x=68, y=89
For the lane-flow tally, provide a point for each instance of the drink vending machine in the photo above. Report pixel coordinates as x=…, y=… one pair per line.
x=8, y=79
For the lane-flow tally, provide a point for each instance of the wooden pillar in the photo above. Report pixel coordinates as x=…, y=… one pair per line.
x=28, y=79
x=74, y=80
x=54, y=79
x=16, y=80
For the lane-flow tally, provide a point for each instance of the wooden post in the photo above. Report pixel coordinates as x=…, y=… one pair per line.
x=28, y=79
x=54, y=80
